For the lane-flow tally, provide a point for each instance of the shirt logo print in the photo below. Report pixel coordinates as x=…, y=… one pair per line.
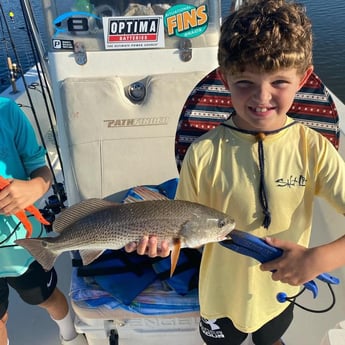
x=292, y=181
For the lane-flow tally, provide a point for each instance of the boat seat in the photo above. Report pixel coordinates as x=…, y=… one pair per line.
x=111, y=143
x=209, y=104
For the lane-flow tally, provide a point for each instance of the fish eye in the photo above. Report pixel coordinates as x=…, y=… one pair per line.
x=221, y=223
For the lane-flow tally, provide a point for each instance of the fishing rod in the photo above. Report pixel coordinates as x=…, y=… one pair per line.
x=37, y=49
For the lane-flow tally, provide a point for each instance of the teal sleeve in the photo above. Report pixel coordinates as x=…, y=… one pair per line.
x=26, y=154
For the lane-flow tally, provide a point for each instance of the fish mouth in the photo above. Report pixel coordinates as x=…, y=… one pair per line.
x=225, y=237
x=228, y=236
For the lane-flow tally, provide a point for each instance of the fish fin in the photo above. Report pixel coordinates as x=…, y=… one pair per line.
x=175, y=253
x=76, y=212
x=88, y=255
x=35, y=246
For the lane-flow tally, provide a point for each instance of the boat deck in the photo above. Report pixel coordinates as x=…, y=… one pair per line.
x=31, y=325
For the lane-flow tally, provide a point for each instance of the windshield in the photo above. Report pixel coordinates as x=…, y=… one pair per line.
x=124, y=24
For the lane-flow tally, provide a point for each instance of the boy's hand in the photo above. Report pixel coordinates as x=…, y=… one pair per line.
x=294, y=267
x=149, y=246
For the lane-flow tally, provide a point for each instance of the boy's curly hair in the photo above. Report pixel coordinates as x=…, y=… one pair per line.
x=266, y=35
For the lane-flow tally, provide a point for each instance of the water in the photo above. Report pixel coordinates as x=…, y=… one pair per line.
x=18, y=34
x=328, y=19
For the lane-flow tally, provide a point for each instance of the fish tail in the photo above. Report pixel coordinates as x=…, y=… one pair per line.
x=45, y=257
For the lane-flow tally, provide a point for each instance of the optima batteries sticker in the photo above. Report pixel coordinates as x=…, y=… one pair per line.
x=133, y=32
x=186, y=21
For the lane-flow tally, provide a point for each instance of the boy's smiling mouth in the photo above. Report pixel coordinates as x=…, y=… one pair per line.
x=261, y=110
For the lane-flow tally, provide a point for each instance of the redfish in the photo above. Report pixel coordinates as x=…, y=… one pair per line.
x=94, y=225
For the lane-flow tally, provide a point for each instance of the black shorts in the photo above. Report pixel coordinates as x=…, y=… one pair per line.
x=34, y=286
x=223, y=332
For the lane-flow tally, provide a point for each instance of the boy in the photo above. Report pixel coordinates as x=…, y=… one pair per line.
x=265, y=56
x=22, y=161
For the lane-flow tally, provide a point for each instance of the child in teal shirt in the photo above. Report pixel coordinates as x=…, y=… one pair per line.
x=22, y=162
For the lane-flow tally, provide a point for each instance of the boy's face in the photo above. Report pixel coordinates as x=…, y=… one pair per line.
x=262, y=99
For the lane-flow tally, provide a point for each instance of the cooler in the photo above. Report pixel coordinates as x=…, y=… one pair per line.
x=157, y=315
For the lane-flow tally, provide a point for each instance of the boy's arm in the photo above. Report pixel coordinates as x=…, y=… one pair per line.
x=329, y=256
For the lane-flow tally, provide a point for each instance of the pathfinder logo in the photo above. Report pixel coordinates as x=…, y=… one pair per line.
x=134, y=32
x=150, y=121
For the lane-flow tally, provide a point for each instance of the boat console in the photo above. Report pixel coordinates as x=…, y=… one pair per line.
x=120, y=73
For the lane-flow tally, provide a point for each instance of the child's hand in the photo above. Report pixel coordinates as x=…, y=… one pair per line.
x=17, y=196
x=294, y=267
x=20, y=194
x=149, y=246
